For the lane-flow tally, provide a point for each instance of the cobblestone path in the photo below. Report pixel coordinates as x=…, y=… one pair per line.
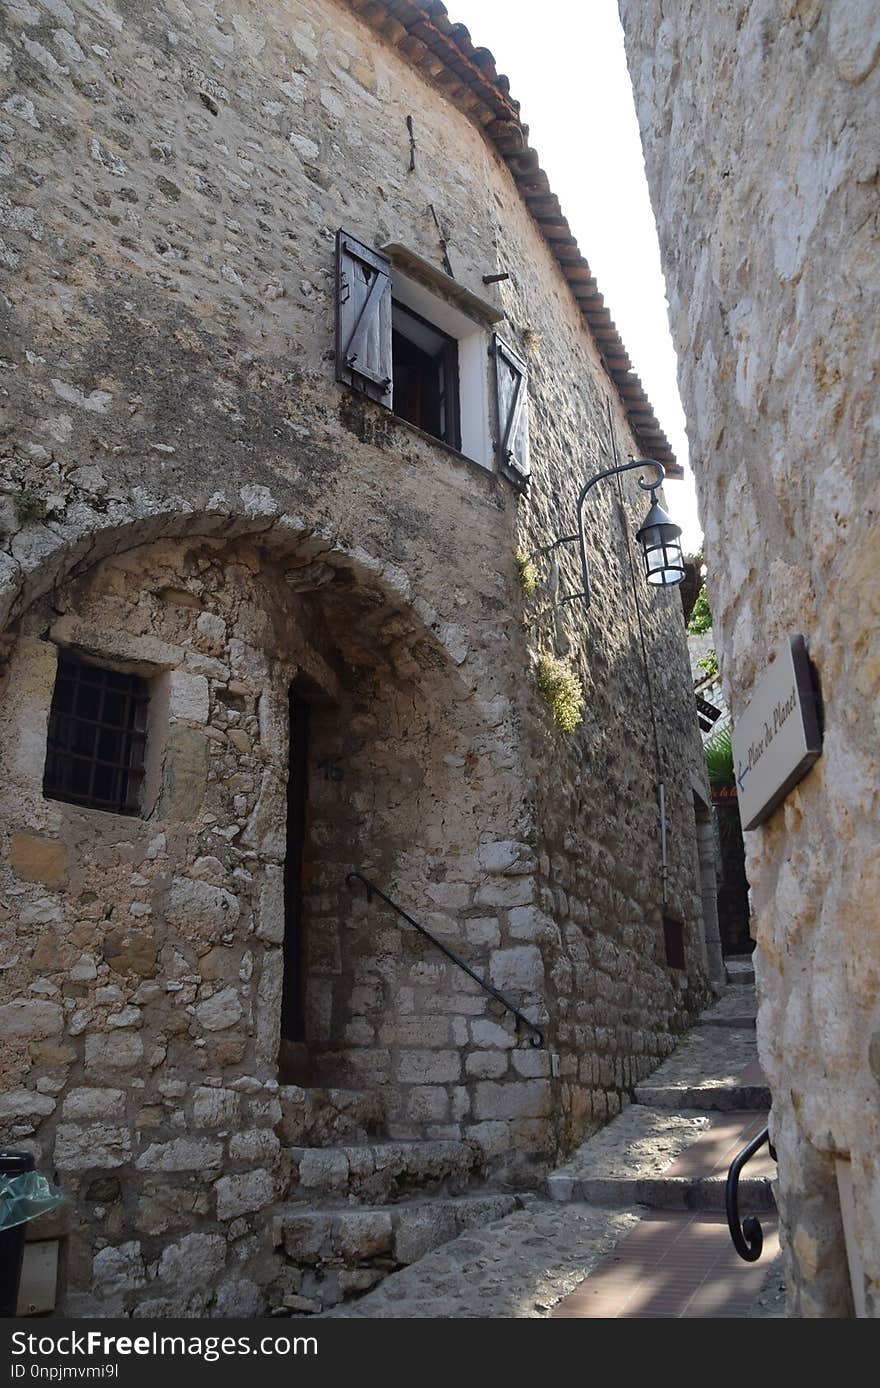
x=632, y=1225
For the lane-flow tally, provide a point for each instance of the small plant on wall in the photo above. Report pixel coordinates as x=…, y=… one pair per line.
x=526, y=572
x=562, y=692
x=30, y=507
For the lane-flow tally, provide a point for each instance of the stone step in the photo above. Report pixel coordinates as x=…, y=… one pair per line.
x=676, y=1193
x=316, y=1117
x=667, y=1160
x=733, y=1020
x=383, y=1172
x=740, y=971
x=712, y=1068
x=736, y=1007
x=720, y=1098
x=335, y=1254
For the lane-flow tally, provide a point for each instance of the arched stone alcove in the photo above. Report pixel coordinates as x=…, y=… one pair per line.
x=144, y=953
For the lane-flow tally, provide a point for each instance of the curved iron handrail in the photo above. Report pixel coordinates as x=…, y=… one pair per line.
x=748, y=1237
x=537, y=1037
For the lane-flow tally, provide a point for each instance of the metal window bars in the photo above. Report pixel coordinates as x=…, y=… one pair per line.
x=97, y=737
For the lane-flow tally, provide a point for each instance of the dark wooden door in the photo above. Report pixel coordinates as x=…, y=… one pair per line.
x=292, y=997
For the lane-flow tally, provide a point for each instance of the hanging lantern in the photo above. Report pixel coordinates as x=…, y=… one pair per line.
x=659, y=537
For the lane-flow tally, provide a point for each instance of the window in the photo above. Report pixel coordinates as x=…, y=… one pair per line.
x=415, y=340
x=673, y=941
x=424, y=365
x=97, y=736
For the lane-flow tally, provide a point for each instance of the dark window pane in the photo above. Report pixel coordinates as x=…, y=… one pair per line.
x=112, y=745
x=115, y=709
x=115, y=680
x=77, y=776
x=81, y=738
x=96, y=738
x=88, y=701
x=425, y=375
x=104, y=784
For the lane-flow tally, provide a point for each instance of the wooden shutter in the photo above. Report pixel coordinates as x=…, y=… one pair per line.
x=363, y=318
x=511, y=390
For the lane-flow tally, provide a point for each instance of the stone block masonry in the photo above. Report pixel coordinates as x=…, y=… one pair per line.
x=189, y=497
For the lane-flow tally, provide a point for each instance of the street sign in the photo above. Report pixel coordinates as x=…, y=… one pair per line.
x=776, y=738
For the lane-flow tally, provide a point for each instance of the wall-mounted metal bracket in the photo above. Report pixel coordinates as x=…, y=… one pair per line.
x=579, y=536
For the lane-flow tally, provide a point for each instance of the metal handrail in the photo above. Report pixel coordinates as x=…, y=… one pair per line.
x=748, y=1237
x=537, y=1037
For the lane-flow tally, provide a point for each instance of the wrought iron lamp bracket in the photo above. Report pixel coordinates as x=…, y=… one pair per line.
x=579, y=535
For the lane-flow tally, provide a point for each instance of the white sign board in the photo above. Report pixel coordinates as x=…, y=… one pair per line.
x=776, y=739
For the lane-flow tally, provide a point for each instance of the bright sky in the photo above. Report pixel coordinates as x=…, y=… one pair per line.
x=566, y=64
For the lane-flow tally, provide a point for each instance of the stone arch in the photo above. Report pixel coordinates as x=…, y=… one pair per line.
x=44, y=556
x=428, y=759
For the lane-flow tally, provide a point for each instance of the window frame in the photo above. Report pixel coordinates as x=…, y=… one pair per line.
x=369, y=281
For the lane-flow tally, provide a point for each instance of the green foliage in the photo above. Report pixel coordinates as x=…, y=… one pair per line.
x=527, y=573
x=29, y=507
x=718, y=751
x=701, y=617
x=709, y=663
x=561, y=688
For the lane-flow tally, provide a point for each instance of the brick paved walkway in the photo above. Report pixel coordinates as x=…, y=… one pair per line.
x=673, y=1265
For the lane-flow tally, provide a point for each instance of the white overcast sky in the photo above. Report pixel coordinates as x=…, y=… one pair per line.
x=567, y=68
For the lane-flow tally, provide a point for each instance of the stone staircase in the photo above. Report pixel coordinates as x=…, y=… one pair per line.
x=360, y=1206
x=633, y=1225
x=671, y=1148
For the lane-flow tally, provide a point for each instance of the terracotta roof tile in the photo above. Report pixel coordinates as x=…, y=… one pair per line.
x=444, y=52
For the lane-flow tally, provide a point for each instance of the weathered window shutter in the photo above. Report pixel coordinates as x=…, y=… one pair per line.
x=511, y=390
x=363, y=318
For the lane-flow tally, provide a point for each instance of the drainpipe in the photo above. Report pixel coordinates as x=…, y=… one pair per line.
x=664, y=865
x=658, y=762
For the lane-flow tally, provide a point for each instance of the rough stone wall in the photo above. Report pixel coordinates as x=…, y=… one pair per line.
x=186, y=486
x=759, y=127
x=145, y=967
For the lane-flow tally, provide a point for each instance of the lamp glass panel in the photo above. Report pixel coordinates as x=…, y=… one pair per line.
x=664, y=566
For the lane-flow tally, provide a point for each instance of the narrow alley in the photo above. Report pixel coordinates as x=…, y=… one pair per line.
x=633, y=1225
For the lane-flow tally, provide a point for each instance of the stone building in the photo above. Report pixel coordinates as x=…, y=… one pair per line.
x=263, y=631
x=759, y=127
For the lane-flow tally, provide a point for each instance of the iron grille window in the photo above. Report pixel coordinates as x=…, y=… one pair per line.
x=97, y=736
